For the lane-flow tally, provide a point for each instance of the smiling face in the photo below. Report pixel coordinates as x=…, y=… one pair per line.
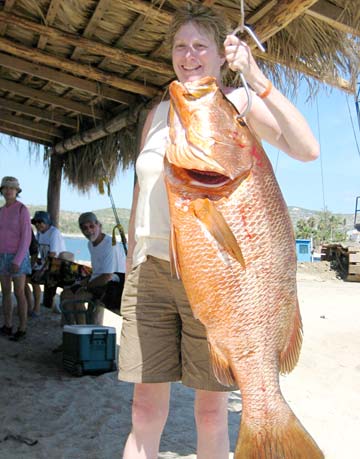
x=195, y=54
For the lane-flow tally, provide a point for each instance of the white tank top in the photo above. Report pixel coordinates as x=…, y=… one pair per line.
x=152, y=221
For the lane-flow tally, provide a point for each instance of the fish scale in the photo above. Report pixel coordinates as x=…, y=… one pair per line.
x=234, y=248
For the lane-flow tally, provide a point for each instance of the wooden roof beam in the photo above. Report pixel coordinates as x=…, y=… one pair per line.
x=50, y=17
x=260, y=12
x=21, y=130
x=47, y=98
x=332, y=15
x=102, y=130
x=91, y=26
x=90, y=46
x=67, y=80
x=40, y=113
x=147, y=9
x=7, y=7
x=284, y=12
x=34, y=55
x=119, y=42
x=120, y=121
x=29, y=136
x=45, y=128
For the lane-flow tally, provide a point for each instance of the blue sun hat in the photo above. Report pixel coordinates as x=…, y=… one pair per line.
x=41, y=217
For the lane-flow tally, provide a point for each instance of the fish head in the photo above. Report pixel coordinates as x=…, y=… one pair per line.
x=208, y=141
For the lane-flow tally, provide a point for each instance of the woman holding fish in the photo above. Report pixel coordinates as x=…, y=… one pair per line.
x=161, y=339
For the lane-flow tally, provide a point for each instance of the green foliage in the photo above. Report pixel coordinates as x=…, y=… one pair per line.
x=323, y=228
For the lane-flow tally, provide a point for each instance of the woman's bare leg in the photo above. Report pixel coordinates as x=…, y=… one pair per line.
x=149, y=413
x=6, y=299
x=211, y=416
x=37, y=297
x=19, y=290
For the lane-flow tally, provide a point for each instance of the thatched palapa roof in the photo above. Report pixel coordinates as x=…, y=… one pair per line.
x=75, y=74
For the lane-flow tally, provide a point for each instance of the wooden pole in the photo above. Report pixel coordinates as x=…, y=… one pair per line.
x=103, y=129
x=54, y=188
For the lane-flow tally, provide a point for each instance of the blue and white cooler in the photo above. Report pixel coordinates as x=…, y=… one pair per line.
x=89, y=349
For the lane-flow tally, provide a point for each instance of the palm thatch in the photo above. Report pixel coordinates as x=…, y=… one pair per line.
x=75, y=74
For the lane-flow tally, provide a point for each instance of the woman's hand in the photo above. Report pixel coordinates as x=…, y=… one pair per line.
x=14, y=268
x=240, y=59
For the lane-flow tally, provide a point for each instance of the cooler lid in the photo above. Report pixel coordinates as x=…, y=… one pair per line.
x=87, y=329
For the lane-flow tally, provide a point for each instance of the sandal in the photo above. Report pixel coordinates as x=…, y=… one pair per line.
x=18, y=336
x=6, y=331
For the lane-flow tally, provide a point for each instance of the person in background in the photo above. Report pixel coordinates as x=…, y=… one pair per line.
x=161, y=341
x=51, y=243
x=33, y=297
x=108, y=270
x=15, y=237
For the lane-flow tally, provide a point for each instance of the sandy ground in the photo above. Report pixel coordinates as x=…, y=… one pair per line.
x=89, y=417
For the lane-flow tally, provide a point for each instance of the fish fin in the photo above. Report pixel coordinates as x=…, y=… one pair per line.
x=174, y=258
x=282, y=439
x=221, y=367
x=290, y=354
x=215, y=223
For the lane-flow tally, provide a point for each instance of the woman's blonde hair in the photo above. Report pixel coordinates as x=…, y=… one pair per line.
x=212, y=22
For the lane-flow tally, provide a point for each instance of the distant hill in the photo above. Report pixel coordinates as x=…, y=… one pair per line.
x=69, y=225
x=69, y=220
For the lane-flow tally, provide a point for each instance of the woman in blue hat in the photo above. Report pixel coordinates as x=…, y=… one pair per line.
x=51, y=243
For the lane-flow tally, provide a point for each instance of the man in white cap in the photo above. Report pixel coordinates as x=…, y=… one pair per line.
x=108, y=269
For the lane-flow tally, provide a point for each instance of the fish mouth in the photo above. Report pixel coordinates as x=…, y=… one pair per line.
x=206, y=178
x=203, y=182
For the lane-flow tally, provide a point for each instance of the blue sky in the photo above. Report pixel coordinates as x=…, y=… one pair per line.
x=301, y=183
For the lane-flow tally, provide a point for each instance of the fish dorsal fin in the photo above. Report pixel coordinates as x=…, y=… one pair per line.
x=173, y=250
x=221, y=367
x=215, y=223
x=290, y=354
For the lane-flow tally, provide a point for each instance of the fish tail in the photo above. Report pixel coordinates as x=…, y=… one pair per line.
x=288, y=441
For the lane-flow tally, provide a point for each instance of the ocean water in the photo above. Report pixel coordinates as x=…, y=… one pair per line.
x=78, y=246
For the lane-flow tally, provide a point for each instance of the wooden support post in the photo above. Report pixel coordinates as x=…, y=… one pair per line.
x=54, y=188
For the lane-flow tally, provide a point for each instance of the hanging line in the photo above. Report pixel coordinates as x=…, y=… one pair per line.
x=321, y=162
x=353, y=127
x=357, y=103
x=105, y=181
x=241, y=28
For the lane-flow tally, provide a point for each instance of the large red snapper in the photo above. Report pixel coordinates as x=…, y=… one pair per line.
x=234, y=249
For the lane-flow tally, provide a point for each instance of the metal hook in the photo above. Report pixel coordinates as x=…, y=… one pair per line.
x=241, y=28
x=252, y=35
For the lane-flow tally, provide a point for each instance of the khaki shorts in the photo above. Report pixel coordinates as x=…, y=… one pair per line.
x=161, y=341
